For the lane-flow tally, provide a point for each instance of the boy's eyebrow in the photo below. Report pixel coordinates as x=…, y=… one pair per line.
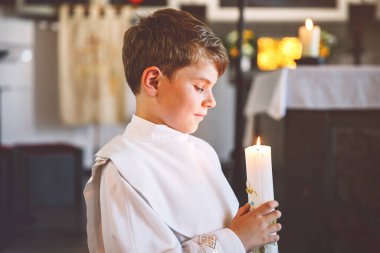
x=203, y=79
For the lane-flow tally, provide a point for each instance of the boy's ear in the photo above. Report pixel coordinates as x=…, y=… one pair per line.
x=149, y=80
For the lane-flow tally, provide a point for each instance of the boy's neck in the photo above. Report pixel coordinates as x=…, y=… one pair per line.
x=145, y=110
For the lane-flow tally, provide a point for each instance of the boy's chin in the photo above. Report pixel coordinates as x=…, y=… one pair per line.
x=190, y=130
x=188, y=127
x=193, y=131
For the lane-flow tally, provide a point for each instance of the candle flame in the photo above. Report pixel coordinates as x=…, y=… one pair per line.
x=309, y=24
x=258, y=141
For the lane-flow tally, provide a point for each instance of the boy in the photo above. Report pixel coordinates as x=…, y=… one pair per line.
x=156, y=188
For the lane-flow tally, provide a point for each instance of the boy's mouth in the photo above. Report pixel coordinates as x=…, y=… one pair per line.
x=200, y=115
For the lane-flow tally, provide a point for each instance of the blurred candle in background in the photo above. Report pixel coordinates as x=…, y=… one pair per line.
x=309, y=36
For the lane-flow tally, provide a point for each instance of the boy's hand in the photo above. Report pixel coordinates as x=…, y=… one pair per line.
x=255, y=228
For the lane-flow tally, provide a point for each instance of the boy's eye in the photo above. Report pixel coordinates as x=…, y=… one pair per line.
x=198, y=89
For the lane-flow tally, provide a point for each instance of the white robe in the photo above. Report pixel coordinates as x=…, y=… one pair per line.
x=155, y=189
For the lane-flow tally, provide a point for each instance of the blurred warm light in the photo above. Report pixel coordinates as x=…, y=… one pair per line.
x=309, y=24
x=278, y=53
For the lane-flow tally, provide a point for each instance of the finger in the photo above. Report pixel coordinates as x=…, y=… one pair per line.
x=243, y=210
x=275, y=214
x=266, y=207
x=274, y=228
x=272, y=239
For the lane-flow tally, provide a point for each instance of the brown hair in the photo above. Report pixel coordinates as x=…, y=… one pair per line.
x=169, y=39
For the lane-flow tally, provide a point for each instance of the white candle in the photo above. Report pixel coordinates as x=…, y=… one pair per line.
x=260, y=182
x=259, y=174
x=309, y=36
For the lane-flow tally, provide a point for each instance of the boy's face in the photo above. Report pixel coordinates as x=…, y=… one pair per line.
x=185, y=98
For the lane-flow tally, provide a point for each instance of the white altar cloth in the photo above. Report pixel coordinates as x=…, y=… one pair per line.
x=312, y=88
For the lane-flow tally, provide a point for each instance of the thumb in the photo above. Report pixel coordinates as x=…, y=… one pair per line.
x=243, y=210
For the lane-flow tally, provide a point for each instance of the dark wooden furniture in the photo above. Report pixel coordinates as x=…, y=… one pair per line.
x=40, y=196
x=47, y=176
x=326, y=169
x=6, y=183
x=6, y=195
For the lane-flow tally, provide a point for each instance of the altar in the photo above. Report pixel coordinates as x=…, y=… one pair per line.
x=323, y=124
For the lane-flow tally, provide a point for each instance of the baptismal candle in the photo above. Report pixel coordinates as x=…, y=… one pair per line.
x=310, y=36
x=260, y=182
x=259, y=174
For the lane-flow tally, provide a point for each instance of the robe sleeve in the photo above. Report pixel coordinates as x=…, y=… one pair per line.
x=129, y=224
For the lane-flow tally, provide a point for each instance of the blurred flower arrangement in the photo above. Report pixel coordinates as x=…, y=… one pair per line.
x=248, y=44
x=274, y=53
x=327, y=44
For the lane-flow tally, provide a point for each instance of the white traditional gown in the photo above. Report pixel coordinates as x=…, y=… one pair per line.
x=155, y=189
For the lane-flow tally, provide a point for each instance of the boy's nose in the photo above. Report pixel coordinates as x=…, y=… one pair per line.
x=209, y=101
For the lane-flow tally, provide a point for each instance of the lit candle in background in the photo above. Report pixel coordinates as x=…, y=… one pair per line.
x=259, y=174
x=309, y=36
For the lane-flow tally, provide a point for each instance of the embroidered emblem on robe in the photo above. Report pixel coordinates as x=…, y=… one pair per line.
x=208, y=240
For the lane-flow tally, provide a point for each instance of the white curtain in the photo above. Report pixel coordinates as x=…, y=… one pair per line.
x=91, y=78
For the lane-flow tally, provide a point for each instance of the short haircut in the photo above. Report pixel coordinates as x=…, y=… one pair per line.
x=169, y=39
